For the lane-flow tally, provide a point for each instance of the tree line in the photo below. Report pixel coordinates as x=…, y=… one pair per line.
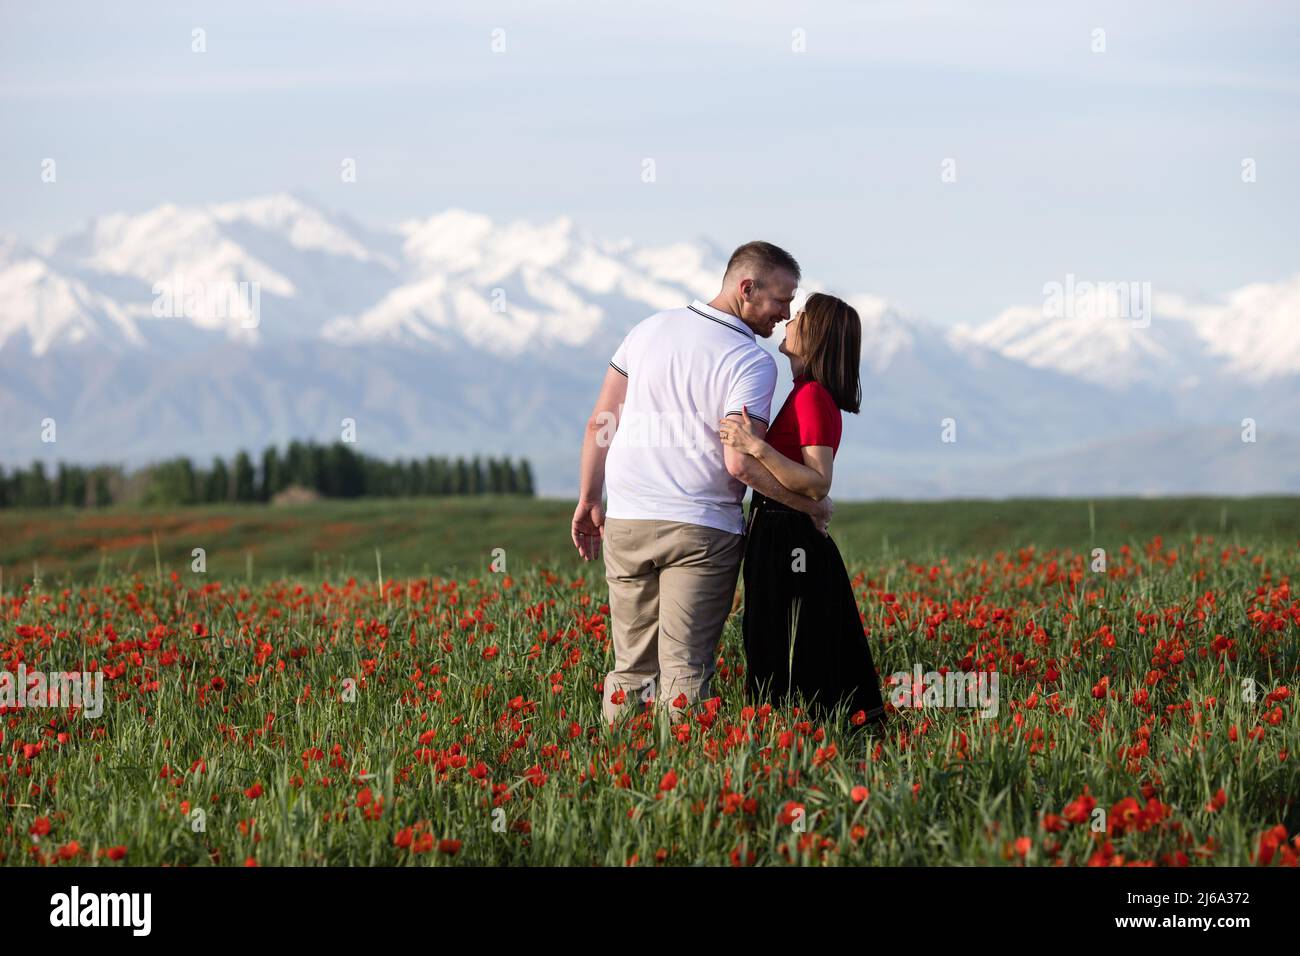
x=330, y=471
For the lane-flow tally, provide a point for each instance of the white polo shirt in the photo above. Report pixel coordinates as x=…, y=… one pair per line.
x=686, y=369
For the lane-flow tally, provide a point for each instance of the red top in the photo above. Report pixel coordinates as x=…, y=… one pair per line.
x=808, y=417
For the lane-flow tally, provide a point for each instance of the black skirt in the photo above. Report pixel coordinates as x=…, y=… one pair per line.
x=796, y=586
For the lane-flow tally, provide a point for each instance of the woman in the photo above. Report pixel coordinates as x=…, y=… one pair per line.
x=801, y=625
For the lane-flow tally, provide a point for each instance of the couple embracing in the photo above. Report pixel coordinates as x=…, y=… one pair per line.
x=687, y=399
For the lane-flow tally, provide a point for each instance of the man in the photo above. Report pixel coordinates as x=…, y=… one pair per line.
x=673, y=534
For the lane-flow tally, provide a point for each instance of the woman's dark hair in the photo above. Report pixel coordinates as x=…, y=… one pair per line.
x=831, y=339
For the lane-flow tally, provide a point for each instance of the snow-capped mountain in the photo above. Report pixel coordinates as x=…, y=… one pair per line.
x=511, y=289
x=1256, y=329
x=205, y=329
x=51, y=308
x=1253, y=335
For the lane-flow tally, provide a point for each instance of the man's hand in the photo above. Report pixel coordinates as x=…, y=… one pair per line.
x=588, y=524
x=589, y=518
x=823, y=516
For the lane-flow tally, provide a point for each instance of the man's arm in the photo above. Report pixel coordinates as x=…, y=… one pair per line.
x=589, y=517
x=753, y=473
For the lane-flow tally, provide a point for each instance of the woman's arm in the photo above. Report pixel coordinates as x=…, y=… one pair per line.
x=811, y=478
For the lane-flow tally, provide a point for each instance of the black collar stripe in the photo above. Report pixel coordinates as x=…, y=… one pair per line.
x=714, y=318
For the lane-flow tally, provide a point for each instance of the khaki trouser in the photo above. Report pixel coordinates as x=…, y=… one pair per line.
x=670, y=588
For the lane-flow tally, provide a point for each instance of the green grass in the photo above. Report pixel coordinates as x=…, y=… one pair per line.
x=476, y=713
x=458, y=535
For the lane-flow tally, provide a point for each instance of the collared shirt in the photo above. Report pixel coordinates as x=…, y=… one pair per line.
x=686, y=370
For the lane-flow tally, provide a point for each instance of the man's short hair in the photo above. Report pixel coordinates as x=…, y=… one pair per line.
x=761, y=259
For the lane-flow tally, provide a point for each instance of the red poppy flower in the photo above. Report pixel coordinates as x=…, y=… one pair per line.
x=1268, y=844
x=790, y=812
x=1078, y=810
x=1125, y=815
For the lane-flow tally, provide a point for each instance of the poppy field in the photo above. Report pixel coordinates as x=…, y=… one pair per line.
x=1146, y=715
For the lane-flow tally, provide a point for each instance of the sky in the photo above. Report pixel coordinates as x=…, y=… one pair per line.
x=824, y=127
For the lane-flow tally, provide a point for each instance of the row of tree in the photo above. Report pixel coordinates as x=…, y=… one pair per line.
x=331, y=471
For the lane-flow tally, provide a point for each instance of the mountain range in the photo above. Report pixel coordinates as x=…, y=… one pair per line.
x=200, y=330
